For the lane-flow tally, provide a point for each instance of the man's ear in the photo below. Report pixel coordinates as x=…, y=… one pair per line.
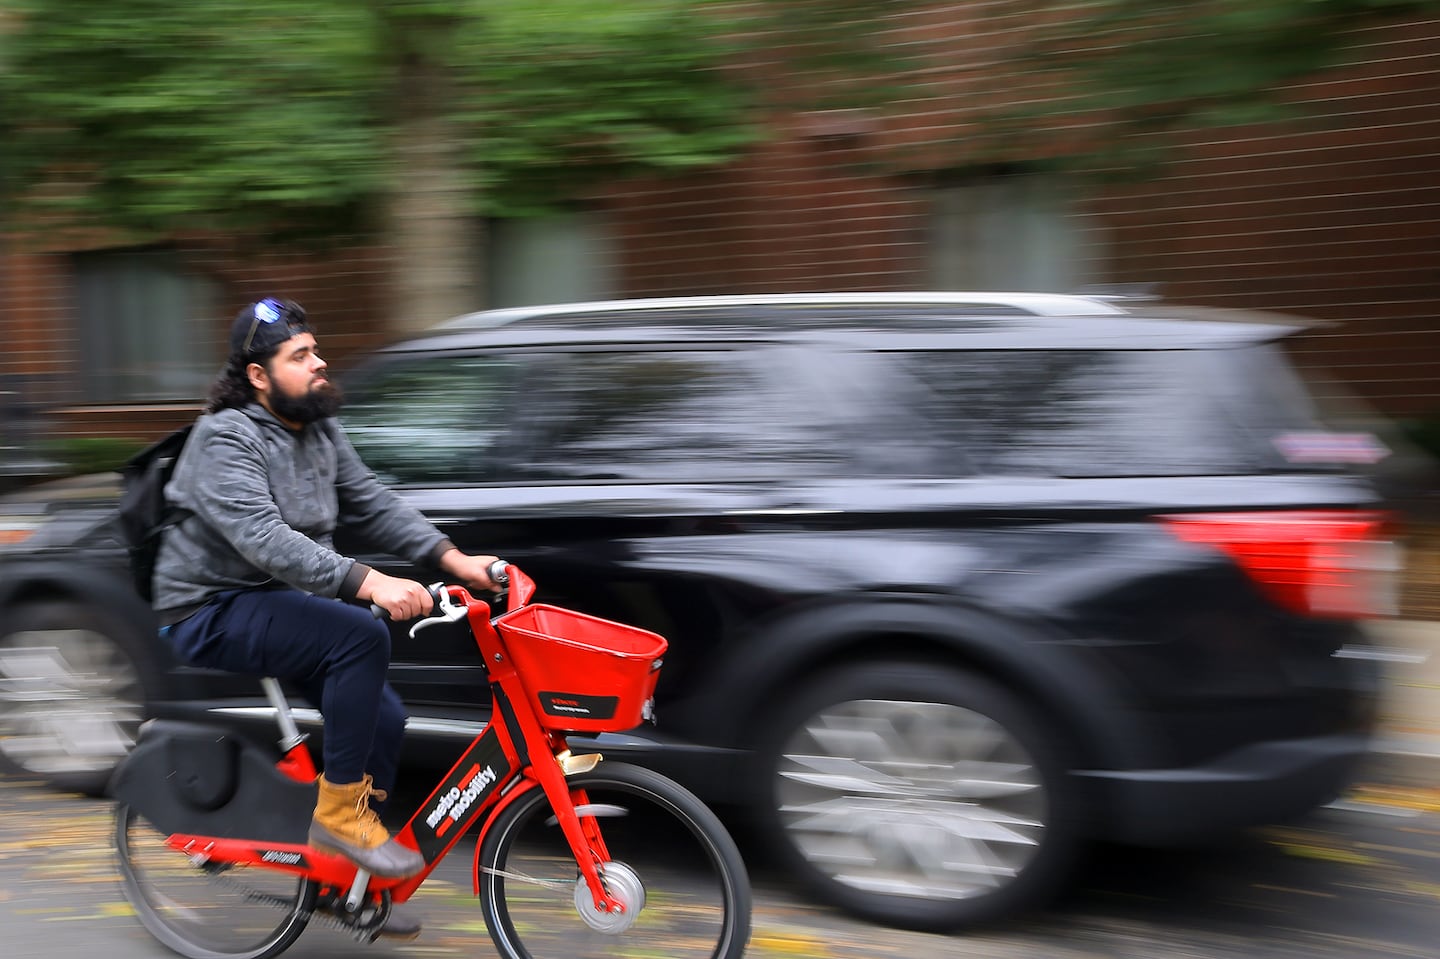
x=258, y=377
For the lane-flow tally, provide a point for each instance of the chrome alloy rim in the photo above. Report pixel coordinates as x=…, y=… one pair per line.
x=70, y=701
x=929, y=800
x=624, y=885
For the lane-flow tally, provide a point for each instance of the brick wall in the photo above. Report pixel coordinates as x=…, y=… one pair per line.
x=799, y=215
x=34, y=304
x=1336, y=216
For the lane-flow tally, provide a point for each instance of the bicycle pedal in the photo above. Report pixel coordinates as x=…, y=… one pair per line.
x=330, y=920
x=365, y=924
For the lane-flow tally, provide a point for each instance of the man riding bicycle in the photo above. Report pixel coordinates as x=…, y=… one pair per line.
x=248, y=580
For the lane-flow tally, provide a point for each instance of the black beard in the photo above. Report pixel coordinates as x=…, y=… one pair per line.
x=310, y=406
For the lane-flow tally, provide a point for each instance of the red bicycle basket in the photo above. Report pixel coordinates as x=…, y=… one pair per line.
x=587, y=674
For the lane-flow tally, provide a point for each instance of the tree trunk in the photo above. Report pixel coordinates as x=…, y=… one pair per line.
x=438, y=244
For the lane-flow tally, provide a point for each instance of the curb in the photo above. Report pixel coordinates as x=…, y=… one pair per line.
x=1406, y=759
x=1407, y=742
x=1417, y=746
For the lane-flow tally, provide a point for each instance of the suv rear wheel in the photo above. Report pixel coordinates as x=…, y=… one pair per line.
x=72, y=694
x=918, y=796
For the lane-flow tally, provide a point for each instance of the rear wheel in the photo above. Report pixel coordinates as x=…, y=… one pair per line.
x=918, y=796
x=205, y=910
x=673, y=865
x=72, y=693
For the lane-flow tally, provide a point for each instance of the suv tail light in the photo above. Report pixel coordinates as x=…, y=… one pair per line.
x=1333, y=563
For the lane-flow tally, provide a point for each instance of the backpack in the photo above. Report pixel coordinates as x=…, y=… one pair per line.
x=144, y=514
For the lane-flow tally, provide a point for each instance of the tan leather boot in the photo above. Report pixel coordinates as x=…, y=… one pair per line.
x=345, y=823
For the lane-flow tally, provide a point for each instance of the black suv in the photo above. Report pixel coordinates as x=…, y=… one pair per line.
x=952, y=582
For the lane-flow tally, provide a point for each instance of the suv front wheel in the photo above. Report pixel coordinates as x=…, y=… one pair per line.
x=918, y=796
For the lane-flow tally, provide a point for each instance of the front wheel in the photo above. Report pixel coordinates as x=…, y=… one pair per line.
x=205, y=910
x=672, y=863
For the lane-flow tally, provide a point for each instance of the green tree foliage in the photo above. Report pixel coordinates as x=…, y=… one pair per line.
x=150, y=112
x=567, y=93
x=158, y=114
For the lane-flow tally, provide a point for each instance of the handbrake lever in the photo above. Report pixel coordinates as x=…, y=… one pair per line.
x=446, y=610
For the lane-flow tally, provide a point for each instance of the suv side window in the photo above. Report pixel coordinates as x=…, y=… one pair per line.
x=432, y=420
x=1096, y=413
x=677, y=416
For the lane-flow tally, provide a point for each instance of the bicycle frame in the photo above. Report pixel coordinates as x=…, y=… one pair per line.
x=512, y=755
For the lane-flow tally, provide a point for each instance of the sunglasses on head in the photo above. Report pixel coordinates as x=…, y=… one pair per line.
x=269, y=311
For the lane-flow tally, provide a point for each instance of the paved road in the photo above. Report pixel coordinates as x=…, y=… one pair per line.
x=1359, y=880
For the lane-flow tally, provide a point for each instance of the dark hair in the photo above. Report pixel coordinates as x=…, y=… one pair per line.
x=232, y=388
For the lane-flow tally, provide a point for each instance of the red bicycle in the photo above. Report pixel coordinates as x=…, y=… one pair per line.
x=210, y=828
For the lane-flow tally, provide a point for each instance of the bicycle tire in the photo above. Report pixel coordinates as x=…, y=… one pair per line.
x=671, y=860
x=204, y=912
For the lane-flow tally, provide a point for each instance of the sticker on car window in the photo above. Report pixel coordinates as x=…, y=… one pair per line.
x=1319, y=446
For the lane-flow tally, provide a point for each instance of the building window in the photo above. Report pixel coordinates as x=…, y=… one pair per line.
x=1014, y=233
x=146, y=328
x=551, y=259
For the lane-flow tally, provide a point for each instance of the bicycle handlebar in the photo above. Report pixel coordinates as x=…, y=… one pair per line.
x=500, y=573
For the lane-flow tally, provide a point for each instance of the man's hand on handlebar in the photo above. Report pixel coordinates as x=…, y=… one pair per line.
x=402, y=599
x=405, y=599
x=473, y=572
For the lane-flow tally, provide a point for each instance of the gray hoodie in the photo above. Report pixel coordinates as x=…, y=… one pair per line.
x=264, y=501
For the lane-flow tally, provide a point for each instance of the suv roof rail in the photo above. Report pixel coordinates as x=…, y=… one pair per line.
x=1133, y=292
x=1033, y=304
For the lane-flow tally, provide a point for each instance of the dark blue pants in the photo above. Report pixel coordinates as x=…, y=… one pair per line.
x=335, y=653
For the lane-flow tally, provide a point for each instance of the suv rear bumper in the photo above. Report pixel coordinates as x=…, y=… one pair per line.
x=1257, y=784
